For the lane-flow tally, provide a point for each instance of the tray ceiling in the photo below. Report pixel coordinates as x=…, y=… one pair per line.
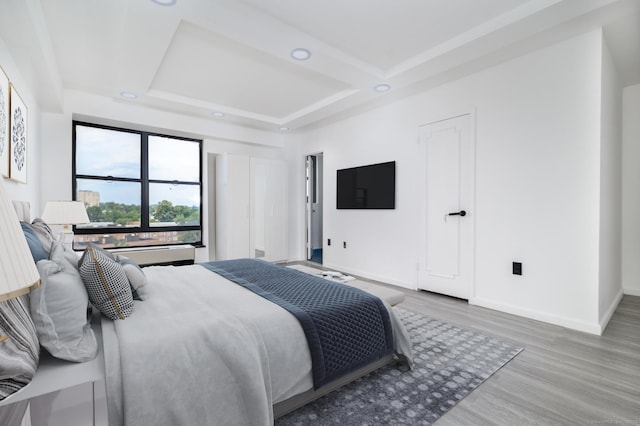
x=232, y=57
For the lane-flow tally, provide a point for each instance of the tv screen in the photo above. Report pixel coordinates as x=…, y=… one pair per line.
x=367, y=187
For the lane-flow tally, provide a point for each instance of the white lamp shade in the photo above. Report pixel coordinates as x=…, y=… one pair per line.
x=65, y=213
x=18, y=272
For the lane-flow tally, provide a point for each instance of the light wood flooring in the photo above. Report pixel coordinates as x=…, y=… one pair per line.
x=563, y=377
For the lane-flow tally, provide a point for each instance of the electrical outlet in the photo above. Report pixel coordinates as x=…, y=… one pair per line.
x=344, y=244
x=517, y=268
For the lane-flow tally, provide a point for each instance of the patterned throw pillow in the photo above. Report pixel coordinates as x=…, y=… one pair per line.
x=106, y=283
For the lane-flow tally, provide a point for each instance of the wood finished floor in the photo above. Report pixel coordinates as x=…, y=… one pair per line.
x=563, y=377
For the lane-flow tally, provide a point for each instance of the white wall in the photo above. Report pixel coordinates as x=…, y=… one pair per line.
x=295, y=154
x=373, y=237
x=31, y=190
x=538, y=178
x=630, y=191
x=219, y=137
x=610, y=291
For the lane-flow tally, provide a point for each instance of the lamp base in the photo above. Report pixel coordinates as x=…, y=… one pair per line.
x=65, y=237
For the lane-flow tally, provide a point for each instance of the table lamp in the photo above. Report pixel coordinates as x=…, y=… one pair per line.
x=65, y=213
x=19, y=346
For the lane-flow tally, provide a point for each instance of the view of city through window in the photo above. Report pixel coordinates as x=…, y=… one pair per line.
x=134, y=199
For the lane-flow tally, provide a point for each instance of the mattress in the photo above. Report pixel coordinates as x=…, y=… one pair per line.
x=202, y=350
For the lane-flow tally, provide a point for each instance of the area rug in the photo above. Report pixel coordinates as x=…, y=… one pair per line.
x=450, y=362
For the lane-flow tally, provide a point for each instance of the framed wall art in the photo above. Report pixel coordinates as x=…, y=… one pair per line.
x=18, y=130
x=4, y=124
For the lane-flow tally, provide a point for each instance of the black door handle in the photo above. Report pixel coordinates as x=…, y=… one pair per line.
x=460, y=213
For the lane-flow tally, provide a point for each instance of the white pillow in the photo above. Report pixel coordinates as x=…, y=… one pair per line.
x=59, y=308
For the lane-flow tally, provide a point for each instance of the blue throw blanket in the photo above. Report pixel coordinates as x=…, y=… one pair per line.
x=346, y=328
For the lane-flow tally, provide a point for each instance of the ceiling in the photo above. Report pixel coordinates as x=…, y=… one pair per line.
x=232, y=57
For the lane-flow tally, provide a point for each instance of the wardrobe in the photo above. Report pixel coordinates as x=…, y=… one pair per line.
x=251, y=208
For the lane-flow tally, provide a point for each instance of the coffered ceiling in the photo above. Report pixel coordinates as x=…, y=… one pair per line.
x=233, y=57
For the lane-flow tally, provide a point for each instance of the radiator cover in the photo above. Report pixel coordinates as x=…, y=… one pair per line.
x=163, y=255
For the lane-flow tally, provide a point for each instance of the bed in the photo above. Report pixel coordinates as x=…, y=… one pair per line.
x=254, y=359
x=238, y=342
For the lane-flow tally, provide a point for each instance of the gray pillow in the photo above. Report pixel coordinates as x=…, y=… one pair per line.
x=59, y=309
x=135, y=275
x=44, y=233
x=106, y=283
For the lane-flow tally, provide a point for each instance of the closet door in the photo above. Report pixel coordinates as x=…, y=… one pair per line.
x=259, y=206
x=233, y=201
x=277, y=235
x=269, y=209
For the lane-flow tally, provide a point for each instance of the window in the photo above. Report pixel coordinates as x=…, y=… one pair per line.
x=140, y=188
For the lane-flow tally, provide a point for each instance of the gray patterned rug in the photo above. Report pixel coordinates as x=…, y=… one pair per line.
x=450, y=362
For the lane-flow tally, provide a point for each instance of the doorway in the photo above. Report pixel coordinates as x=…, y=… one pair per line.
x=314, y=205
x=447, y=255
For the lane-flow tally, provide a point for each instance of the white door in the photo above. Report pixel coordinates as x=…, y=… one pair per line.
x=446, y=262
x=233, y=224
x=314, y=165
x=259, y=200
x=309, y=204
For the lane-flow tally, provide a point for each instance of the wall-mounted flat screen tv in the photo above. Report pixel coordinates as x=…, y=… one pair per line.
x=367, y=187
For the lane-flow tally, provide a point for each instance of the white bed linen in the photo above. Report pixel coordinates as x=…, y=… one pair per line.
x=202, y=350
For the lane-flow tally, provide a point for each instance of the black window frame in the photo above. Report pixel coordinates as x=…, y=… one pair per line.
x=144, y=186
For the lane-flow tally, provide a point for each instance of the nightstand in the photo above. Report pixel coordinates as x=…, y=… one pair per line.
x=55, y=374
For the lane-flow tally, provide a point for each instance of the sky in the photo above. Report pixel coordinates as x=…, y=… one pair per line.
x=104, y=152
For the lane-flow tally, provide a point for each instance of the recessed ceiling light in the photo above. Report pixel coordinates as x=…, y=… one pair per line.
x=284, y=128
x=300, y=54
x=218, y=114
x=382, y=88
x=164, y=2
x=128, y=95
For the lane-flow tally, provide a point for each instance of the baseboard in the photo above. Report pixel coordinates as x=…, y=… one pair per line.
x=591, y=328
x=607, y=316
x=631, y=291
